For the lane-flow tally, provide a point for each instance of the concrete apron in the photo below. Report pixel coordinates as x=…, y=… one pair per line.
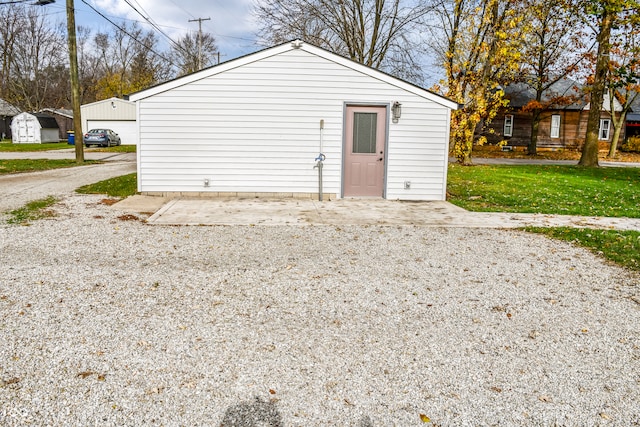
x=348, y=212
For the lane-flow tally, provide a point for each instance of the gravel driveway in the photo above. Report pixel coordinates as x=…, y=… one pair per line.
x=109, y=321
x=18, y=189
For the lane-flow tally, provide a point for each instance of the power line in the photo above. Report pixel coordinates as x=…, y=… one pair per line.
x=127, y=33
x=153, y=23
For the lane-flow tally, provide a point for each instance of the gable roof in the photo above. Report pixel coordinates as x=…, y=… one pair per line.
x=286, y=47
x=58, y=111
x=519, y=94
x=7, y=109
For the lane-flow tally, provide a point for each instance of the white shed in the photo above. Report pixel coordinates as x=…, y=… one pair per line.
x=116, y=114
x=35, y=128
x=255, y=126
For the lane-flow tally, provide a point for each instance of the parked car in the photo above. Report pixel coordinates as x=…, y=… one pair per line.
x=102, y=137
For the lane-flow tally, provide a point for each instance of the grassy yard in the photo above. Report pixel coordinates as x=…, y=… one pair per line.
x=121, y=186
x=32, y=211
x=621, y=247
x=16, y=166
x=565, y=190
x=115, y=149
x=7, y=145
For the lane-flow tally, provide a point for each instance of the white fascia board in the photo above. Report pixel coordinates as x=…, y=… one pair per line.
x=387, y=78
x=285, y=47
x=112, y=99
x=212, y=71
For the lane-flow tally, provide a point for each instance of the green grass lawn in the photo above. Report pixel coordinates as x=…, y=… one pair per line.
x=7, y=145
x=565, y=190
x=115, y=149
x=34, y=210
x=16, y=166
x=621, y=247
x=121, y=186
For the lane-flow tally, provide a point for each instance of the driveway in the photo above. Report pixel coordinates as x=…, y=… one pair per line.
x=69, y=153
x=18, y=189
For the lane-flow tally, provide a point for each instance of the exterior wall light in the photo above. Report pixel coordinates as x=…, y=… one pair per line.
x=396, y=112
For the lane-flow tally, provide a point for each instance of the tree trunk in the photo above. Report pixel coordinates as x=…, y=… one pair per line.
x=617, y=130
x=532, y=148
x=589, y=155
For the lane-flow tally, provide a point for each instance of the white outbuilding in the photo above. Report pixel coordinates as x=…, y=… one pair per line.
x=116, y=114
x=260, y=125
x=36, y=128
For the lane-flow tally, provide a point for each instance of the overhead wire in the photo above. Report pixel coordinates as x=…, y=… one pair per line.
x=128, y=34
x=153, y=23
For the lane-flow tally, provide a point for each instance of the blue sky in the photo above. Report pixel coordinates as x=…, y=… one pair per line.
x=231, y=22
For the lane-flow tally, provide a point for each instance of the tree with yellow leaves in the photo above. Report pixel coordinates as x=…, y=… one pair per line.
x=480, y=49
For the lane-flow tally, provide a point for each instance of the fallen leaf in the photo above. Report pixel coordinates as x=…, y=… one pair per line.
x=424, y=418
x=272, y=391
x=85, y=374
x=496, y=389
x=14, y=380
x=545, y=399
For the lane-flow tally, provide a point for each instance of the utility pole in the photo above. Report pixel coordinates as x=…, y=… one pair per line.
x=199, y=21
x=75, y=80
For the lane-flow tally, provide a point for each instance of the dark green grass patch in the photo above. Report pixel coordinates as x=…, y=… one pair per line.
x=9, y=146
x=32, y=211
x=34, y=165
x=621, y=247
x=121, y=186
x=564, y=190
x=115, y=149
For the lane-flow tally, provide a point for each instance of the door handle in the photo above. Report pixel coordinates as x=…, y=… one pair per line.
x=380, y=159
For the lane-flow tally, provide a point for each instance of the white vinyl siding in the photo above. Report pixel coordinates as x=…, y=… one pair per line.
x=555, y=126
x=508, y=125
x=605, y=129
x=256, y=128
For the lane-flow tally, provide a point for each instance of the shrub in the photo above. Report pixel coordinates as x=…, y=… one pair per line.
x=632, y=144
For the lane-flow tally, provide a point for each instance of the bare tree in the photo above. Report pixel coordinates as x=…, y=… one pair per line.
x=38, y=54
x=383, y=34
x=188, y=55
x=553, y=51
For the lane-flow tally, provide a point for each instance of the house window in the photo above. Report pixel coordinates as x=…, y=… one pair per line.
x=605, y=126
x=555, y=126
x=508, y=125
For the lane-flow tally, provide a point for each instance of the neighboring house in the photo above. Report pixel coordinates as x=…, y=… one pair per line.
x=562, y=124
x=7, y=112
x=63, y=117
x=632, y=127
x=37, y=128
x=113, y=113
x=255, y=126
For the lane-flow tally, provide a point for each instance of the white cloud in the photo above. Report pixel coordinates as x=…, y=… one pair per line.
x=231, y=22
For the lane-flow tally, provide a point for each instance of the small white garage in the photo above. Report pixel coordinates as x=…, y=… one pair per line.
x=258, y=125
x=116, y=114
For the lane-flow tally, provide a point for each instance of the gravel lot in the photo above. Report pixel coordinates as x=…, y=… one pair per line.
x=111, y=322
